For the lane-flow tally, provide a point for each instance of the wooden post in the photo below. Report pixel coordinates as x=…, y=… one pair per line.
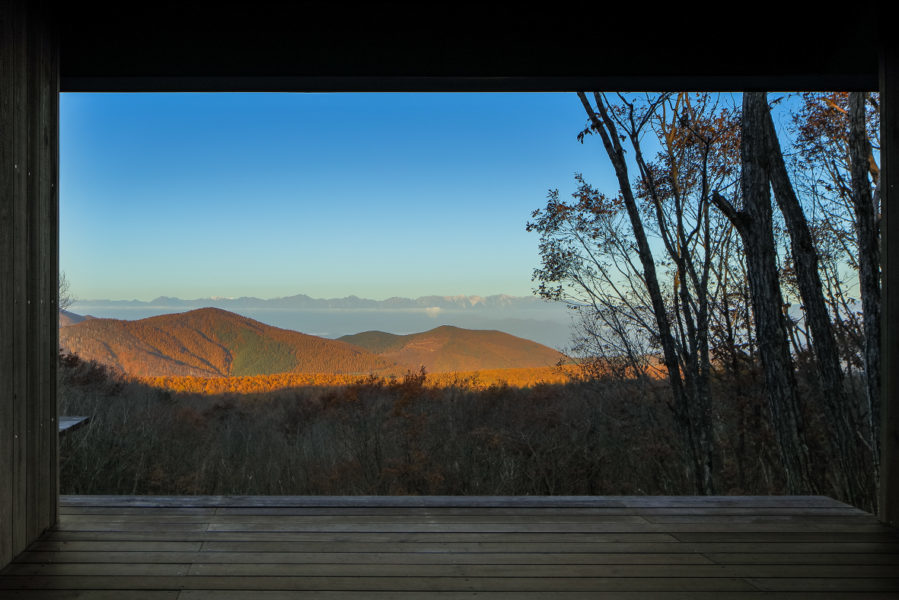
x=889, y=228
x=29, y=234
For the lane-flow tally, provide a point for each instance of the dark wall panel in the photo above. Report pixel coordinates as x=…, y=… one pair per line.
x=29, y=208
x=889, y=123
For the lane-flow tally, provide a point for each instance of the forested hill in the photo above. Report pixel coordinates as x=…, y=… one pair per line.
x=449, y=348
x=212, y=342
x=67, y=318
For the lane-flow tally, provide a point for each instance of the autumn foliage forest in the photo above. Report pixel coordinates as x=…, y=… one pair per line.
x=258, y=384
x=404, y=435
x=726, y=295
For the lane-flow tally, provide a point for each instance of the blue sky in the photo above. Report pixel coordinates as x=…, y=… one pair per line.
x=377, y=195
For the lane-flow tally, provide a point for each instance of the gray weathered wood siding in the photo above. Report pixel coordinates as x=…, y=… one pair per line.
x=29, y=175
x=889, y=136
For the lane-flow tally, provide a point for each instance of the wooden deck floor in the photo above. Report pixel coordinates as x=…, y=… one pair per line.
x=272, y=548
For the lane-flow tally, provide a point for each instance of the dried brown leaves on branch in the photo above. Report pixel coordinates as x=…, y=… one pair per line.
x=660, y=268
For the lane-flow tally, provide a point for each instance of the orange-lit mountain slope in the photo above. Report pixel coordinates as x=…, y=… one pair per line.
x=449, y=348
x=210, y=342
x=67, y=318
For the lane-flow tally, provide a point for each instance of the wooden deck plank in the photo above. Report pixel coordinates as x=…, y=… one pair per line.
x=836, y=547
x=139, y=511
x=392, y=595
x=677, y=520
x=371, y=537
x=318, y=595
x=403, y=583
x=817, y=584
x=601, y=595
x=111, y=569
x=407, y=558
x=411, y=558
x=779, y=558
x=504, y=502
x=139, y=527
x=742, y=534
x=713, y=532
x=878, y=542
x=491, y=512
x=95, y=595
x=398, y=568
x=476, y=520
x=509, y=571
x=418, y=595
x=369, y=522
x=576, y=547
x=721, y=529
x=272, y=542
x=115, y=546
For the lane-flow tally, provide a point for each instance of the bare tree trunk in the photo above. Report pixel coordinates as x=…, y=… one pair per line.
x=868, y=261
x=604, y=125
x=755, y=225
x=840, y=420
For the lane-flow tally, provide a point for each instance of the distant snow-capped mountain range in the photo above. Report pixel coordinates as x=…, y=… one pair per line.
x=304, y=302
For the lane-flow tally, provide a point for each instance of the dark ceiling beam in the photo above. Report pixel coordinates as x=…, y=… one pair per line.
x=850, y=82
x=392, y=46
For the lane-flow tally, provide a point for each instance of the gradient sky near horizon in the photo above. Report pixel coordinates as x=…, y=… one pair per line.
x=377, y=195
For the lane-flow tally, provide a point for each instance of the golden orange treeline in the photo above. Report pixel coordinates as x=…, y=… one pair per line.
x=522, y=377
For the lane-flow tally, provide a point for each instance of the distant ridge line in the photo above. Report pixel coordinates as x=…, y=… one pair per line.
x=350, y=302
